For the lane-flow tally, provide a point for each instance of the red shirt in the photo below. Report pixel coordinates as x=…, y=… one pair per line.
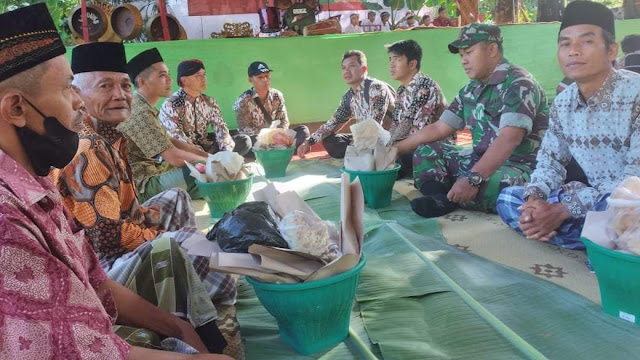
x=443, y=22
x=49, y=277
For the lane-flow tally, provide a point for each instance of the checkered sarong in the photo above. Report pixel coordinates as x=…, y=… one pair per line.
x=568, y=234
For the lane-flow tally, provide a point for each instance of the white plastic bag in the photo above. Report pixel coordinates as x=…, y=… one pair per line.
x=368, y=133
x=275, y=137
x=625, y=204
x=305, y=234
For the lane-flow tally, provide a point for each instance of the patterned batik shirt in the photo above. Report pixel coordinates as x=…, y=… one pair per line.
x=250, y=117
x=99, y=191
x=601, y=133
x=186, y=118
x=382, y=99
x=146, y=141
x=511, y=97
x=51, y=304
x=419, y=104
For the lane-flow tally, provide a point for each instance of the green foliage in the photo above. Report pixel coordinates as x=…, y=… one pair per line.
x=372, y=6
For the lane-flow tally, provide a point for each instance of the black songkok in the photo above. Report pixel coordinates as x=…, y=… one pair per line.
x=28, y=37
x=142, y=61
x=590, y=13
x=188, y=68
x=99, y=56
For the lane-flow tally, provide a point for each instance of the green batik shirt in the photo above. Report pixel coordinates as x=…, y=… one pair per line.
x=147, y=139
x=511, y=97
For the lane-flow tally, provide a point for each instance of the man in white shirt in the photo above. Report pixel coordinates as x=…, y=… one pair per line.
x=386, y=25
x=370, y=24
x=354, y=25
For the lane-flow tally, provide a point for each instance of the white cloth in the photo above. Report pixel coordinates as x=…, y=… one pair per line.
x=350, y=29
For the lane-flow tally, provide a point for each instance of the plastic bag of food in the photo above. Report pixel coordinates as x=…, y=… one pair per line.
x=305, y=234
x=250, y=223
x=275, y=137
x=625, y=202
x=225, y=166
x=359, y=159
x=368, y=133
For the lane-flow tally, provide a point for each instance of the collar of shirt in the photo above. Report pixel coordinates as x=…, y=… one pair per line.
x=498, y=76
x=359, y=88
x=28, y=188
x=412, y=84
x=145, y=101
x=600, y=95
x=95, y=127
x=270, y=94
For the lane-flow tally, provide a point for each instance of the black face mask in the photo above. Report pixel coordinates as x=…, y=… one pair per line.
x=56, y=147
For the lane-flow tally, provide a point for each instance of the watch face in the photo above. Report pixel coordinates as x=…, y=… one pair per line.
x=475, y=179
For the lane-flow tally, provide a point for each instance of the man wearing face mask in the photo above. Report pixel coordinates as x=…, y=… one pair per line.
x=189, y=112
x=506, y=111
x=259, y=106
x=98, y=189
x=367, y=98
x=57, y=301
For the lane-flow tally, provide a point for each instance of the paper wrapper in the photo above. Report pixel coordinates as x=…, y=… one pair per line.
x=359, y=159
x=380, y=158
x=288, y=266
x=221, y=166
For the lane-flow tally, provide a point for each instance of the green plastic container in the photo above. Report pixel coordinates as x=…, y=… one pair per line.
x=274, y=162
x=619, y=280
x=311, y=316
x=224, y=196
x=377, y=186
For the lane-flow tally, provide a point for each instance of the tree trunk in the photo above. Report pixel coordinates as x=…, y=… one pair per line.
x=505, y=12
x=631, y=9
x=549, y=10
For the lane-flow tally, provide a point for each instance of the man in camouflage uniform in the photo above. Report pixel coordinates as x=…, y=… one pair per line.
x=507, y=113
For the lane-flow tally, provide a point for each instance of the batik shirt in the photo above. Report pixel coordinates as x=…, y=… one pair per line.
x=99, y=191
x=186, y=118
x=511, y=98
x=380, y=107
x=51, y=304
x=146, y=141
x=250, y=117
x=601, y=133
x=419, y=104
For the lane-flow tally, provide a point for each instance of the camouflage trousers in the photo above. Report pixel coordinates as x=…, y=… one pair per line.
x=445, y=163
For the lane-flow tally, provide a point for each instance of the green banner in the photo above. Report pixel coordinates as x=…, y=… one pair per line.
x=307, y=69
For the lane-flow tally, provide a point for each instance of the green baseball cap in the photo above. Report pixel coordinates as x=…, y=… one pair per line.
x=475, y=33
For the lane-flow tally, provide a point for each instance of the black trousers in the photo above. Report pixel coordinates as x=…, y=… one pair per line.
x=336, y=144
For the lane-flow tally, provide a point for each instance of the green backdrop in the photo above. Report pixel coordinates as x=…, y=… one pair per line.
x=307, y=69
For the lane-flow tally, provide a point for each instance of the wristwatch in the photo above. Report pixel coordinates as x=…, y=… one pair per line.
x=475, y=179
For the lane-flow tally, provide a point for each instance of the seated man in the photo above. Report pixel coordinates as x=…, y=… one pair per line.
x=370, y=24
x=419, y=100
x=188, y=112
x=259, y=106
x=147, y=142
x=368, y=98
x=354, y=25
x=596, y=120
x=384, y=18
x=630, y=46
x=506, y=111
x=56, y=300
x=442, y=19
x=408, y=23
x=98, y=188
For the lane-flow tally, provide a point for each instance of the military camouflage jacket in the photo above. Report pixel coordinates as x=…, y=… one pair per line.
x=511, y=97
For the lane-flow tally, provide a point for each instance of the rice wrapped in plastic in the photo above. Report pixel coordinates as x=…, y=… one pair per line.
x=305, y=234
x=275, y=137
